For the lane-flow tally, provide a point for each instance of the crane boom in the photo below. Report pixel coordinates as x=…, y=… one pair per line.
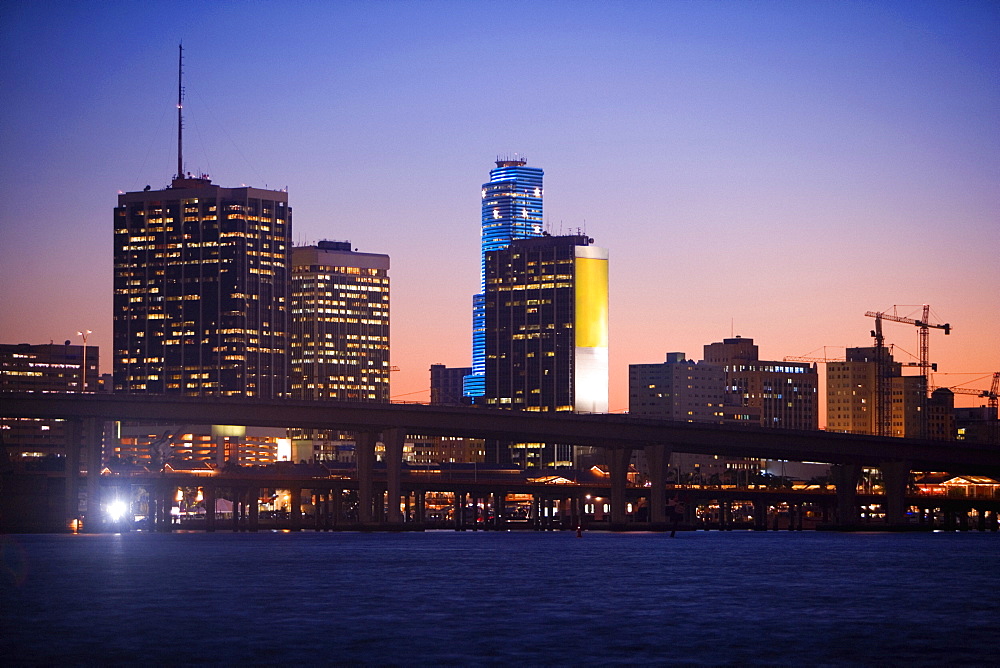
x=925, y=365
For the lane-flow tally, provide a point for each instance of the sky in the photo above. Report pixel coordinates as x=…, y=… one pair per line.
x=765, y=169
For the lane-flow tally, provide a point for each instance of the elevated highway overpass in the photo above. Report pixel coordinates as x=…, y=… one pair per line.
x=618, y=435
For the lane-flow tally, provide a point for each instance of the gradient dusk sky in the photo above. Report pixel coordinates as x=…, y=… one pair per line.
x=769, y=169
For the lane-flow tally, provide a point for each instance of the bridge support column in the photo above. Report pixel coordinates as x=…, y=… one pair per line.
x=208, y=497
x=459, y=511
x=618, y=462
x=93, y=521
x=658, y=460
x=759, y=515
x=74, y=432
x=393, y=440
x=419, y=497
x=364, y=455
x=845, y=478
x=335, y=507
x=294, y=507
x=253, y=511
x=499, y=509
x=895, y=478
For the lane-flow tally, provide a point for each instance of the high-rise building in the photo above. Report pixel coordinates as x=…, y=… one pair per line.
x=851, y=395
x=851, y=388
x=340, y=323
x=769, y=393
x=447, y=384
x=43, y=368
x=547, y=333
x=511, y=209
x=677, y=389
x=202, y=290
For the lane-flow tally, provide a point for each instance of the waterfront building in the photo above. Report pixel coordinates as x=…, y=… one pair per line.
x=49, y=367
x=154, y=445
x=546, y=338
x=340, y=323
x=772, y=394
x=511, y=209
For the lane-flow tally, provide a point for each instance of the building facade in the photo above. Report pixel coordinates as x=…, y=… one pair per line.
x=547, y=333
x=447, y=385
x=772, y=394
x=677, y=389
x=511, y=209
x=50, y=367
x=202, y=291
x=685, y=390
x=340, y=323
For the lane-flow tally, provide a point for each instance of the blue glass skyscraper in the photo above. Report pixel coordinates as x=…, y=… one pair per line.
x=512, y=209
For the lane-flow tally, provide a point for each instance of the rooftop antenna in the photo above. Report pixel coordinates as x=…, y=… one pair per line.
x=180, y=111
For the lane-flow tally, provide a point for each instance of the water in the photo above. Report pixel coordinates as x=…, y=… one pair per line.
x=447, y=598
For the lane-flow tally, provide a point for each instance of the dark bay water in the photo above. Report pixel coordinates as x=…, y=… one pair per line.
x=446, y=598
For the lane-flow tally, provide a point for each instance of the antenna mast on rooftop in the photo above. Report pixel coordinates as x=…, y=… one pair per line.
x=180, y=111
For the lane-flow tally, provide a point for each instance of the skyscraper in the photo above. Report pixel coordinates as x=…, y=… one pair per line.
x=202, y=290
x=511, y=209
x=202, y=286
x=340, y=323
x=546, y=340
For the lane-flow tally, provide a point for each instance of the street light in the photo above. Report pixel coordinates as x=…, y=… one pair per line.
x=83, y=367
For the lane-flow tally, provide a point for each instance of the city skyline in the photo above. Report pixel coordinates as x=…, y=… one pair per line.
x=772, y=171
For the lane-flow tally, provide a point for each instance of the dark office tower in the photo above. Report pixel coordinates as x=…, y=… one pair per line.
x=340, y=323
x=512, y=209
x=446, y=384
x=547, y=333
x=771, y=394
x=202, y=290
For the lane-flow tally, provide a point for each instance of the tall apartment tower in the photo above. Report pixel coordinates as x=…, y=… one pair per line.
x=340, y=323
x=201, y=285
x=511, y=209
x=769, y=393
x=546, y=340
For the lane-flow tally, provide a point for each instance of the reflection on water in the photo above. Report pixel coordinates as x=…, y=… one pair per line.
x=503, y=598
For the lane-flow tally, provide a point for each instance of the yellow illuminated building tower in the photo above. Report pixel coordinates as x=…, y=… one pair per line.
x=340, y=323
x=546, y=334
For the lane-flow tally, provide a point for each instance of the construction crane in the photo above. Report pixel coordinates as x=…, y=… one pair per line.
x=824, y=358
x=993, y=397
x=991, y=394
x=883, y=405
